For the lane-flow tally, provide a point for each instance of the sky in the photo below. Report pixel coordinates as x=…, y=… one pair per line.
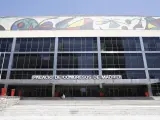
x=79, y=7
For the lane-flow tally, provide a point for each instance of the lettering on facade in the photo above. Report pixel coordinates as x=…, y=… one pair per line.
x=75, y=77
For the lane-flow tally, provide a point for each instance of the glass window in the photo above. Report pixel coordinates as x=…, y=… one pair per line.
x=28, y=74
x=5, y=44
x=154, y=74
x=4, y=60
x=120, y=44
x=151, y=43
x=33, y=61
x=127, y=74
x=156, y=89
x=122, y=60
x=77, y=44
x=34, y=44
x=77, y=60
x=153, y=60
x=3, y=74
x=77, y=72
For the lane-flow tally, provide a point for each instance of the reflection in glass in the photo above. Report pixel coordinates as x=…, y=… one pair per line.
x=4, y=60
x=151, y=43
x=154, y=74
x=77, y=60
x=34, y=44
x=77, y=44
x=33, y=60
x=122, y=60
x=153, y=60
x=120, y=44
x=3, y=74
x=5, y=44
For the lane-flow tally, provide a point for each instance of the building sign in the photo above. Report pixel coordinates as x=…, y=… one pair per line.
x=75, y=77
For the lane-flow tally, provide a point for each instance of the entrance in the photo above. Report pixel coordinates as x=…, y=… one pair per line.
x=31, y=90
x=78, y=91
x=108, y=90
x=125, y=91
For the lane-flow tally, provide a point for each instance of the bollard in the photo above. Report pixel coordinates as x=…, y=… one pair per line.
x=12, y=92
x=3, y=93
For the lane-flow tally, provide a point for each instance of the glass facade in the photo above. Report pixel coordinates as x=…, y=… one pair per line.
x=131, y=57
x=81, y=56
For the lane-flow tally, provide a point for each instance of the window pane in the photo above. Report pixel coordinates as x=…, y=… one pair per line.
x=151, y=43
x=120, y=44
x=154, y=74
x=77, y=44
x=3, y=74
x=34, y=44
x=33, y=61
x=122, y=60
x=77, y=60
x=153, y=60
x=5, y=44
x=4, y=60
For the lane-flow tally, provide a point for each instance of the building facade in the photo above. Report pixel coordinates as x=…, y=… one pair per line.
x=81, y=45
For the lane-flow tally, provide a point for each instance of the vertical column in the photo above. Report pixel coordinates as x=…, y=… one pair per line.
x=99, y=56
x=11, y=58
x=10, y=61
x=55, y=56
x=53, y=90
x=146, y=66
x=55, y=64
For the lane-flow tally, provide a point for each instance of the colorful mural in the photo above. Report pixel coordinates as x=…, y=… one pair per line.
x=80, y=23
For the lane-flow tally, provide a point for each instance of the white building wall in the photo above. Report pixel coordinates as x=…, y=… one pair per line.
x=81, y=33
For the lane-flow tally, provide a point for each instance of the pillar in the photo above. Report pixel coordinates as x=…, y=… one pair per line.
x=100, y=85
x=146, y=67
x=53, y=90
x=99, y=56
x=150, y=90
x=6, y=86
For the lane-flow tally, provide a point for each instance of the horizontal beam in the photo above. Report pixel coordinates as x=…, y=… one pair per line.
x=81, y=33
x=109, y=81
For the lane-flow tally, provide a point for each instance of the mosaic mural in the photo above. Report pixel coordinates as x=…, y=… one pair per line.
x=80, y=23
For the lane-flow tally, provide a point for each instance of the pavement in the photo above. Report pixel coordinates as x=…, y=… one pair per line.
x=83, y=107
